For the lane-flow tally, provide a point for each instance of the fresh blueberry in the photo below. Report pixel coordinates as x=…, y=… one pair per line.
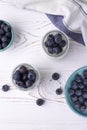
x=32, y=75
x=85, y=82
x=28, y=84
x=84, y=95
x=78, y=78
x=49, y=43
x=1, y=32
x=85, y=103
x=40, y=102
x=59, y=91
x=5, y=88
x=6, y=28
x=74, y=98
x=1, y=22
x=8, y=34
x=81, y=99
x=71, y=91
x=82, y=108
x=62, y=43
x=77, y=104
x=50, y=37
x=78, y=92
x=17, y=76
x=50, y=50
x=4, y=39
x=55, y=76
x=58, y=38
x=3, y=25
x=23, y=70
x=0, y=46
x=84, y=89
x=81, y=85
x=25, y=76
x=85, y=74
x=4, y=44
x=74, y=85
x=57, y=50
x=20, y=83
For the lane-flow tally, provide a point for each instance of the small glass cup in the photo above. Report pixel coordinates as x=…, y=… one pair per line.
x=37, y=80
x=65, y=49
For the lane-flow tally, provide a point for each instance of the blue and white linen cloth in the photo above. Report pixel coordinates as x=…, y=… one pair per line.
x=70, y=16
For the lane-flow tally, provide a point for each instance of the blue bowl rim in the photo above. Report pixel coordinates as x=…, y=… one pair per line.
x=12, y=38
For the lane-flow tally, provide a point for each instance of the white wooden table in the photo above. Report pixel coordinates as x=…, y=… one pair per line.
x=18, y=109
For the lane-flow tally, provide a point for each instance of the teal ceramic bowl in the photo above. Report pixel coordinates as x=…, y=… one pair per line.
x=67, y=95
x=12, y=38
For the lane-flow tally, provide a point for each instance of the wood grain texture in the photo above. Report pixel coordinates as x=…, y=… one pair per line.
x=18, y=110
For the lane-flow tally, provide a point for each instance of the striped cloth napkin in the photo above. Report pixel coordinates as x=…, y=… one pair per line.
x=70, y=16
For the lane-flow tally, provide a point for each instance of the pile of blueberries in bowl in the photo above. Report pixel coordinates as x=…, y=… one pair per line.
x=25, y=77
x=55, y=44
x=76, y=91
x=6, y=35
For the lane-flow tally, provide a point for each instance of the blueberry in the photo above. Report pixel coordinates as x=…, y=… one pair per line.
x=59, y=91
x=78, y=78
x=78, y=92
x=8, y=34
x=85, y=74
x=81, y=99
x=82, y=108
x=85, y=95
x=32, y=75
x=58, y=38
x=23, y=70
x=3, y=25
x=6, y=28
x=50, y=50
x=40, y=102
x=74, y=85
x=85, y=82
x=1, y=32
x=17, y=76
x=85, y=89
x=49, y=43
x=0, y=46
x=25, y=76
x=81, y=85
x=57, y=50
x=55, y=76
x=74, y=98
x=85, y=103
x=20, y=83
x=62, y=43
x=71, y=91
x=77, y=104
x=1, y=22
x=5, y=88
x=4, y=44
x=50, y=37
x=4, y=39
x=28, y=84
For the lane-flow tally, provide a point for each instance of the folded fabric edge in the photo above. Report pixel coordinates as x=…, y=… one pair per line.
x=57, y=20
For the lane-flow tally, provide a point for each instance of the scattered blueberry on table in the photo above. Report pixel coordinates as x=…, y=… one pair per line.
x=59, y=91
x=55, y=76
x=5, y=34
x=78, y=91
x=40, y=102
x=5, y=88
